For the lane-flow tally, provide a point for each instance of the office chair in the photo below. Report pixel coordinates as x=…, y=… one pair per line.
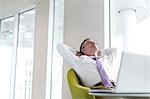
x=78, y=91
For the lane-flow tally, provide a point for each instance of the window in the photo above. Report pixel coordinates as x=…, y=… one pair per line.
x=16, y=54
x=121, y=25
x=6, y=48
x=55, y=75
x=24, y=61
x=57, y=60
x=116, y=39
x=120, y=36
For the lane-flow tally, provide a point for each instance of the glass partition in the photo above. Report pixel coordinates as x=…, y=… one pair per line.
x=6, y=48
x=24, y=61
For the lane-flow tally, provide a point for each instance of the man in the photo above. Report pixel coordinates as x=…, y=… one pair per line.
x=85, y=66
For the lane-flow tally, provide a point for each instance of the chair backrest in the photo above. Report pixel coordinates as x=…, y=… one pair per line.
x=73, y=78
x=77, y=90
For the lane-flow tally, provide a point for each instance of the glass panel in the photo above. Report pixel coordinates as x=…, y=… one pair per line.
x=6, y=34
x=116, y=35
x=6, y=42
x=25, y=49
x=57, y=60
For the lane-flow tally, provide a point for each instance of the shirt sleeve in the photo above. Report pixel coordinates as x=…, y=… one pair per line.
x=68, y=54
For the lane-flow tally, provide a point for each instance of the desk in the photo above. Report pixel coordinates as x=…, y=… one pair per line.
x=124, y=95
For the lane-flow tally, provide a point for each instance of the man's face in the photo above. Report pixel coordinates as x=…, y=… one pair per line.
x=89, y=48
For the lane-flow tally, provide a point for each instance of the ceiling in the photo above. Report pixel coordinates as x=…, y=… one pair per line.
x=12, y=2
x=9, y=7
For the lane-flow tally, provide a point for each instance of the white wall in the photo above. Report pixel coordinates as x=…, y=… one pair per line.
x=83, y=18
x=40, y=50
x=0, y=8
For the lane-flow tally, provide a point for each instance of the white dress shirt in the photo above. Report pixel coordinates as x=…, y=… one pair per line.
x=86, y=67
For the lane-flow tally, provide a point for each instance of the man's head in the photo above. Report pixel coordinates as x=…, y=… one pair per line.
x=88, y=47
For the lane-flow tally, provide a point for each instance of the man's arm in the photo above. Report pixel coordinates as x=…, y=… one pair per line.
x=68, y=54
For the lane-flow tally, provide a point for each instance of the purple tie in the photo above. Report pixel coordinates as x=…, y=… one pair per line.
x=103, y=75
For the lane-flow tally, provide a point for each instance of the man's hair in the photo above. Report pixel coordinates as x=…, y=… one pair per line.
x=81, y=46
x=79, y=53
